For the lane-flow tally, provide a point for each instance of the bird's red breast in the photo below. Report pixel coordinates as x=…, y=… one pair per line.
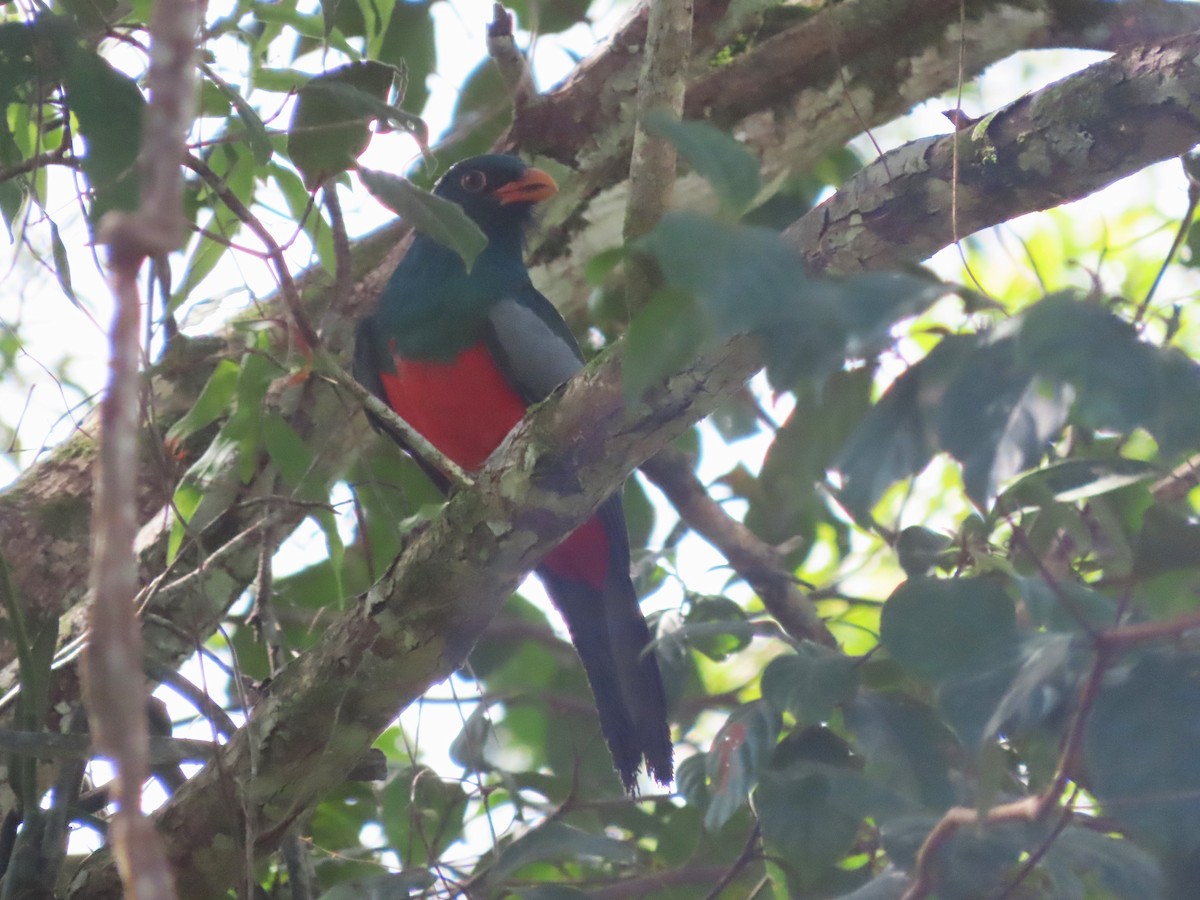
x=465, y=408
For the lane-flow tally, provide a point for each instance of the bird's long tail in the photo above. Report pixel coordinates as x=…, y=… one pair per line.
x=587, y=577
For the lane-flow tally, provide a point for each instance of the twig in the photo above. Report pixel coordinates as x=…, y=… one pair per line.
x=661, y=88
x=287, y=285
x=749, y=852
x=753, y=559
x=510, y=61
x=115, y=686
x=411, y=439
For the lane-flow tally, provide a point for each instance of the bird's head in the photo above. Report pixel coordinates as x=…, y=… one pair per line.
x=498, y=192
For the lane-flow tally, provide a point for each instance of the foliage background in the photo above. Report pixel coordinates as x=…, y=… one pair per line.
x=1005, y=457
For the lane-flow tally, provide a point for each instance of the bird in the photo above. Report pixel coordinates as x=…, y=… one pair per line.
x=460, y=355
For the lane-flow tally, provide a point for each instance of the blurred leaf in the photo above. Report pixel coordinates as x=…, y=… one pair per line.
x=255, y=131
x=1176, y=424
x=1167, y=541
x=945, y=628
x=1115, y=375
x=918, y=549
x=62, y=265
x=1118, y=865
x=422, y=815
x=557, y=841
x=409, y=39
x=342, y=814
x=810, y=683
x=1061, y=606
x=785, y=503
x=108, y=106
x=549, y=16
x=728, y=637
x=907, y=747
x=742, y=276
x=897, y=439
x=331, y=121
x=214, y=401
x=400, y=886
x=664, y=336
x=440, y=219
x=733, y=762
x=1139, y=751
x=725, y=163
x=1074, y=479
x=997, y=418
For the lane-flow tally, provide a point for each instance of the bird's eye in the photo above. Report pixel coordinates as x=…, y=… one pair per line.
x=473, y=181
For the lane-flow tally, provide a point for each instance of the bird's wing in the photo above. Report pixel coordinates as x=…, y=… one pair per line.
x=531, y=344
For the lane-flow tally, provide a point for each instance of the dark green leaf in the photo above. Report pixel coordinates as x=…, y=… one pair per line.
x=997, y=418
x=1073, y=480
x=331, y=122
x=744, y=277
x=256, y=132
x=665, y=335
x=907, y=747
x=1176, y=424
x=62, y=265
x=108, y=106
x=946, y=628
x=715, y=156
x=1140, y=751
x=730, y=634
x=400, y=886
x=1116, y=377
x=805, y=820
x=897, y=439
x=558, y=841
x=422, y=815
x=441, y=219
x=918, y=549
x=409, y=39
x=810, y=683
x=1118, y=865
x=1167, y=541
x=732, y=763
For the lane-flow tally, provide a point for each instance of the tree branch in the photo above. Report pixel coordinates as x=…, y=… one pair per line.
x=421, y=619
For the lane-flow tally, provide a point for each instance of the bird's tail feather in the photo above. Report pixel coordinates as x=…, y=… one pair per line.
x=611, y=636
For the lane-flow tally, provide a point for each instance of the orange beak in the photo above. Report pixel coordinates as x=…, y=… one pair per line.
x=532, y=187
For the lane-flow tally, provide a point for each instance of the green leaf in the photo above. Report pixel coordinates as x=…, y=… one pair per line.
x=62, y=264
x=422, y=815
x=1119, y=865
x=256, y=132
x=804, y=820
x=733, y=762
x=292, y=457
x=409, y=40
x=1117, y=379
x=729, y=630
x=1139, y=751
x=715, y=156
x=744, y=277
x=108, y=107
x=946, y=628
x=664, y=336
x=997, y=418
x=918, y=549
x=897, y=439
x=1166, y=542
x=399, y=886
x=440, y=219
x=907, y=747
x=558, y=841
x=331, y=121
x=1176, y=424
x=214, y=401
x=1073, y=480
x=810, y=683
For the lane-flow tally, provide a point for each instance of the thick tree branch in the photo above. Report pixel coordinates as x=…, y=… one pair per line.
x=1048, y=148
x=764, y=569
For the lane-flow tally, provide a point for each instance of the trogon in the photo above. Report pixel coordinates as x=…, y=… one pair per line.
x=460, y=355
